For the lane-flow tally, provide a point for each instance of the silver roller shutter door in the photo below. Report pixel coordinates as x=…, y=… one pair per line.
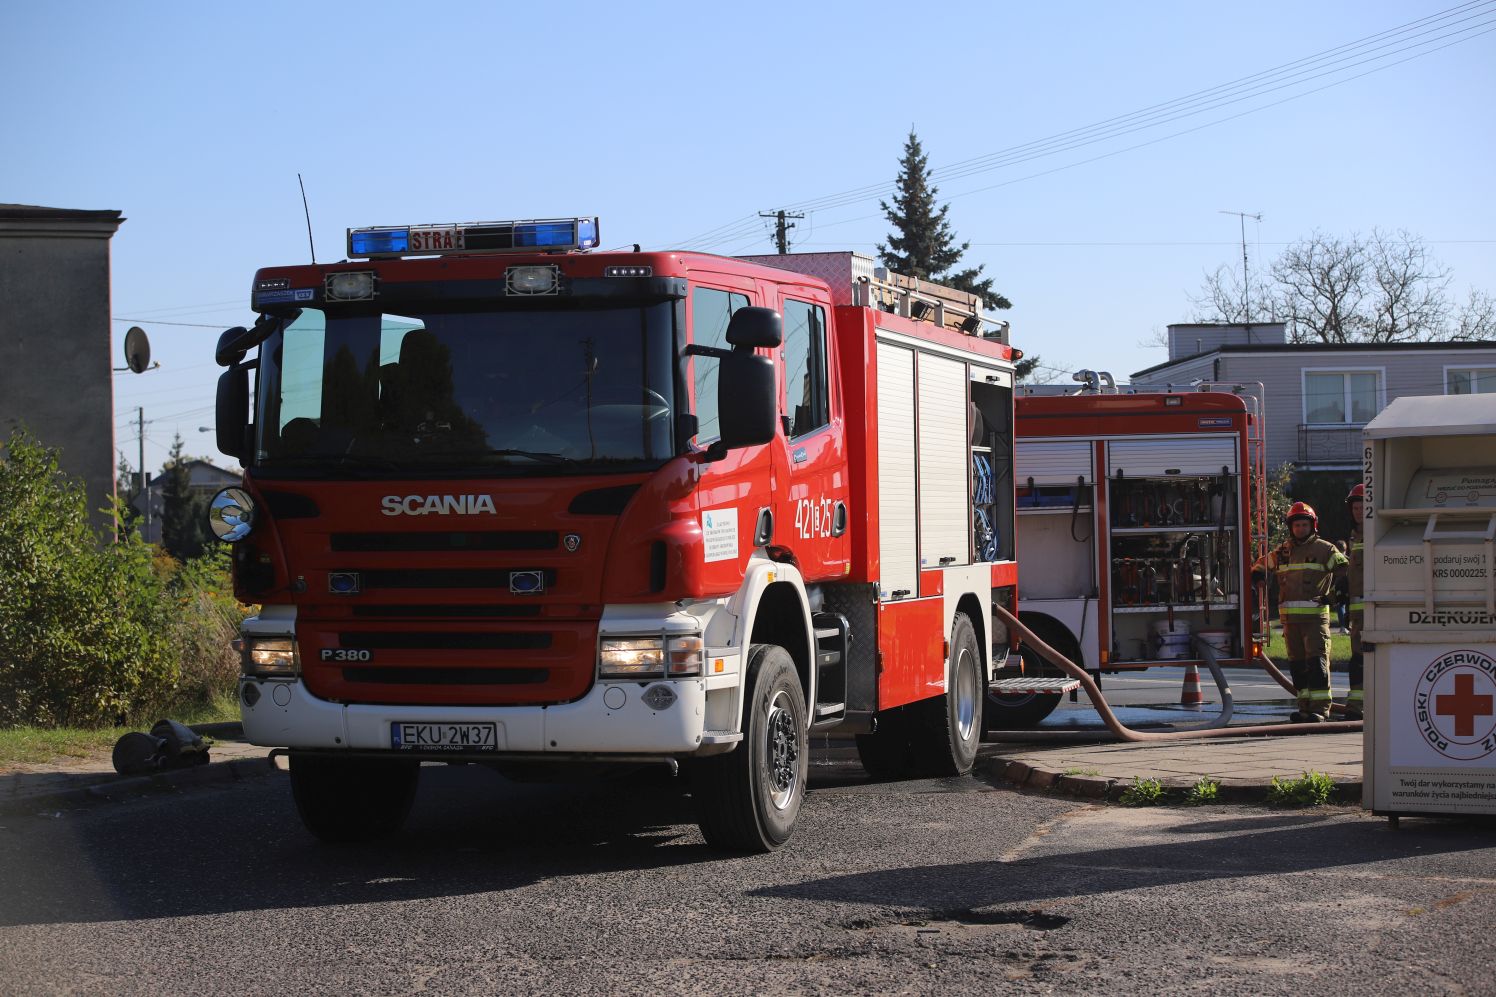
x=944, y=450
x=896, y=549
x=1052, y=463
x=1178, y=455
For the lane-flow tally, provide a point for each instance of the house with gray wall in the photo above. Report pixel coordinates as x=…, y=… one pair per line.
x=1318, y=396
x=204, y=480
x=55, y=324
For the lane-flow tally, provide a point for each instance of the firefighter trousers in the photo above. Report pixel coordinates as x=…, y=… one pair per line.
x=1355, y=699
x=1308, y=639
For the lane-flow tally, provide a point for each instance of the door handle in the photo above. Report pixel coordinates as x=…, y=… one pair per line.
x=763, y=530
x=839, y=519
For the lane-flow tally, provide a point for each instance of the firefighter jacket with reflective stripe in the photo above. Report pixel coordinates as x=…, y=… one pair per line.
x=1307, y=571
x=1356, y=583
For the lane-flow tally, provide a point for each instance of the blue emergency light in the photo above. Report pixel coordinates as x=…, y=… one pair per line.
x=543, y=235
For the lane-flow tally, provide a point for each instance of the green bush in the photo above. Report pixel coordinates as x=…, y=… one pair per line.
x=1205, y=790
x=92, y=631
x=1143, y=793
x=1312, y=789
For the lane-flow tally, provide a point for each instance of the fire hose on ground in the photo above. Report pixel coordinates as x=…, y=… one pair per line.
x=1214, y=728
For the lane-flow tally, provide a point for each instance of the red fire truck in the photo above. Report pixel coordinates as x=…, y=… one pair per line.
x=510, y=500
x=1139, y=516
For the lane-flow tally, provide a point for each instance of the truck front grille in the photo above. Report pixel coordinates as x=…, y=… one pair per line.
x=407, y=640
x=447, y=578
x=439, y=541
x=446, y=676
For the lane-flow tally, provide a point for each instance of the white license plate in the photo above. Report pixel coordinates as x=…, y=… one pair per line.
x=444, y=736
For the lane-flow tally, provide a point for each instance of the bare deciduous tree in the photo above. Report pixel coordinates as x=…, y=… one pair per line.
x=1221, y=298
x=1321, y=283
x=1408, y=298
x=1477, y=318
x=1384, y=288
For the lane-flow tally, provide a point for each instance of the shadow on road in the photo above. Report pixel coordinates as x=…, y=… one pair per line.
x=245, y=849
x=1277, y=844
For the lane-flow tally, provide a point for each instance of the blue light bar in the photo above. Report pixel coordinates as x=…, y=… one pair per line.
x=378, y=241
x=544, y=235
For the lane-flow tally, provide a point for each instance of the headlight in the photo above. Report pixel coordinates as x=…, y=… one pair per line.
x=685, y=655
x=631, y=657
x=269, y=657
x=650, y=657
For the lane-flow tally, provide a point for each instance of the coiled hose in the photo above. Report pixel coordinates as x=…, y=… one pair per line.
x=1122, y=732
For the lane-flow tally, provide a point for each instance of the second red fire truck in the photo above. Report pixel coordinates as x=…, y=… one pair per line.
x=507, y=499
x=1139, y=516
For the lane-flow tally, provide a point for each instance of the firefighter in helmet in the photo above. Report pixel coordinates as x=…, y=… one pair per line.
x=1355, y=504
x=1309, y=570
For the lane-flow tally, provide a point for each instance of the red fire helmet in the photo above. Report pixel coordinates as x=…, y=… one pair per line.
x=1303, y=510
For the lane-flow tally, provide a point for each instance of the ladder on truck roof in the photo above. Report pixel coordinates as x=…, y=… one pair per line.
x=857, y=280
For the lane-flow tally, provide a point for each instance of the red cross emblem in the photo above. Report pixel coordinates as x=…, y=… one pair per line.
x=1464, y=705
x=1453, y=704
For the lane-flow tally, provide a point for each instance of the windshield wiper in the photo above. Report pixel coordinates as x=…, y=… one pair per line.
x=540, y=456
x=347, y=462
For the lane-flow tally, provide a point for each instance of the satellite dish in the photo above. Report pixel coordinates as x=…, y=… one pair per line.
x=137, y=349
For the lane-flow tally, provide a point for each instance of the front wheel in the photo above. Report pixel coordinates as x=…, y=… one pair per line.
x=749, y=799
x=344, y=800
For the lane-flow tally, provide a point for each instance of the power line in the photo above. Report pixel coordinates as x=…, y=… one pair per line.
x=191, y=325
x=1202, y=101
x=1256, y=85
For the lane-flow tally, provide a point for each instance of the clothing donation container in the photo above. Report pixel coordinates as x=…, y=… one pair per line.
x=1430, y=606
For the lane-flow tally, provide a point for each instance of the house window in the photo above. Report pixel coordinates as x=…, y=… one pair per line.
x=1336, y=398
x=1469, y=380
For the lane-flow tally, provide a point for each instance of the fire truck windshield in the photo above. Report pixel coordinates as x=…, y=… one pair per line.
x=501, y=392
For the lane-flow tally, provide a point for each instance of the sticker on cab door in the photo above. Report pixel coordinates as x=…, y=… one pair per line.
x=719, y=530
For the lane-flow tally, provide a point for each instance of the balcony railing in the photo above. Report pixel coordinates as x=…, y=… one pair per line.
x=1329, y=444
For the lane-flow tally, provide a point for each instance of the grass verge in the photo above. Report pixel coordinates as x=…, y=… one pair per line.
x=40, y=745
x=1340, y=648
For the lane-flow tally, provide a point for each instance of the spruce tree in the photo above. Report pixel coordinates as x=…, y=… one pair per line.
x=922, y=243
x=184, y=516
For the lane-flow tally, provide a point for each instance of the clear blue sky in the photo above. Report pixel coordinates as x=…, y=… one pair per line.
x=669, y=120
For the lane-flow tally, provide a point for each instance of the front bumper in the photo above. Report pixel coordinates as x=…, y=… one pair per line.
x=611, y=719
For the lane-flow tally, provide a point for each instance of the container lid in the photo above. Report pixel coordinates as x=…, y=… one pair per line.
x=1434, y=415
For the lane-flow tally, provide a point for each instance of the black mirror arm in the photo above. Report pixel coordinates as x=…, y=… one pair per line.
x=706, y=351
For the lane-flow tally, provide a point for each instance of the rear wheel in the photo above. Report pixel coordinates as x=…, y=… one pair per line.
x=749, y=799
x=947, y=730
x=353, y=799
x=1029, y=709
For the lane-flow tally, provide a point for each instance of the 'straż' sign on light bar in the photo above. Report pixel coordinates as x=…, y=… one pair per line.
x=546, y=235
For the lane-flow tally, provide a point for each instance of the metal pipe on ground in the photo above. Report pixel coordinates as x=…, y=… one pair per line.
x=1124, y=733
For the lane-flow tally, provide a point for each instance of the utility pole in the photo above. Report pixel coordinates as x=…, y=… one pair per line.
x=1246, y=315
x=145, y=479
x=781, y=227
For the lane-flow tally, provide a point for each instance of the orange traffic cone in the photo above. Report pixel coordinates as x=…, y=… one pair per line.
x=1189, y=694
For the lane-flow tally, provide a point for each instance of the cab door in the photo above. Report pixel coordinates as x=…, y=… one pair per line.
x=811, y=514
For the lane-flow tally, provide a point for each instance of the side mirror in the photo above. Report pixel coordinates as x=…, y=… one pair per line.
x=748, y=410
x=754, y=327
x=232, y=412
x=232, y=345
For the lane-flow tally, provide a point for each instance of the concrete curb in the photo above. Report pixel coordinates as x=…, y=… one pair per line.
x=130, y=787
x=1024, y=776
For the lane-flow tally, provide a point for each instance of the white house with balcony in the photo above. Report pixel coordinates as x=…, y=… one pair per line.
x=1317, y=397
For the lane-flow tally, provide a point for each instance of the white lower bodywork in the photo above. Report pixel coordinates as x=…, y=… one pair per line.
x=610, y=719
x=587, y=726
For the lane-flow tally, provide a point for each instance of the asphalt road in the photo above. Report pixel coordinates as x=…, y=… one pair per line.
x=606, y=887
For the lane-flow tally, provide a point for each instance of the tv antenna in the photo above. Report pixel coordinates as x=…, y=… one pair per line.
x=1246, y=315
x=308, y=212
